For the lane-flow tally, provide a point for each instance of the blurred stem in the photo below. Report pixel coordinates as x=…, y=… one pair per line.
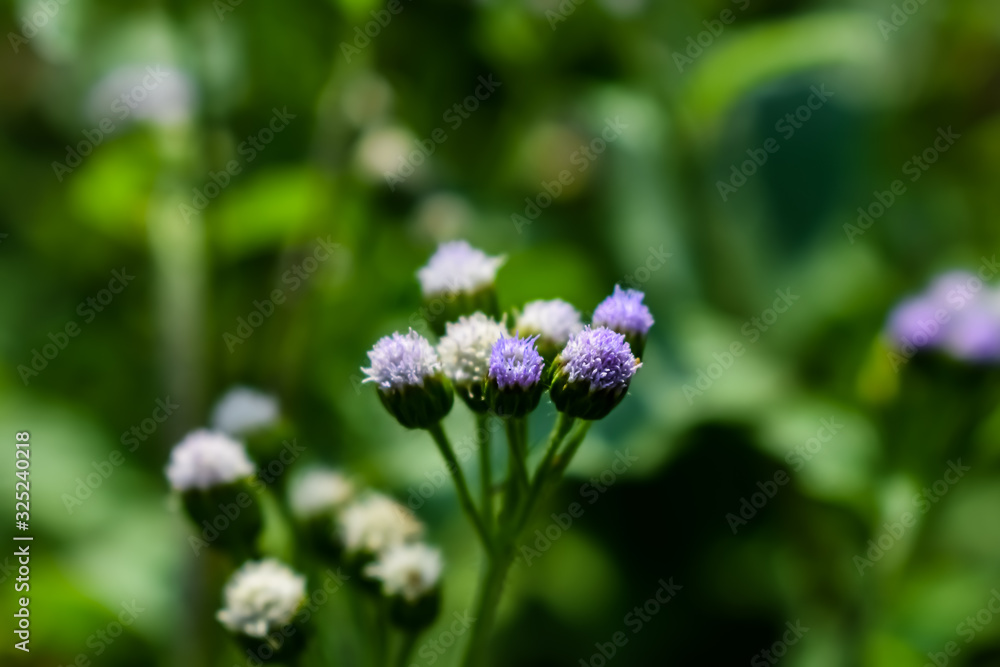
x=485, y=471
x=464, y=497
x=406, y=648
x=489, y=601
x=381, y=632
x=569, y=451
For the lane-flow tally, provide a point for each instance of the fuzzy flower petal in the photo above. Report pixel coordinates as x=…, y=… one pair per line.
x=554, y=321
x=458, y=267
x=243, y=410
x=465, y=348
x=400, y=361
x=600, y=357
x=319, y=491
x=375, y=523
x=515, y=362
x=410, y=570
x=204, y=459
x=260, y=597
x=624, y=312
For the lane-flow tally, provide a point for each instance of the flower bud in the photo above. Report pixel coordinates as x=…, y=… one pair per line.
x=465, y=354
x=514, y=385
x=592, y=374
x=625, y=313
x=410, y=382
x=458, y=280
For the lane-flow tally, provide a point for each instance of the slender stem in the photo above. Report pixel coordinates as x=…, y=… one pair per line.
x=562, y=427
x=464, y=497
x=485, y=471
x=486, y=610
x=381, y=632
x=518, y=451
x=563, y=461
x=406, y=648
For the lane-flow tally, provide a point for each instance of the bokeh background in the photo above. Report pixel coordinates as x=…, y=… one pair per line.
x=119, y=117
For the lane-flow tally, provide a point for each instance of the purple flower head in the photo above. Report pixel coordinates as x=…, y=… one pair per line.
x=974, y=334
x=913, y=322
x=624, y=312
x=400, y=361
x=515, y=362
x=600, y=357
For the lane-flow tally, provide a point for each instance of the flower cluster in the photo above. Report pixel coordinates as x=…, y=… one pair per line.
x=955, y=315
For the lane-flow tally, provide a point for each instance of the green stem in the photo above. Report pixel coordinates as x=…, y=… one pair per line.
x=381, y=632
x=562, y=427
x=464, y=497
x=409, y=641
x=486, y=610
x=485, y=471
x=569, y=451
x=518, y=451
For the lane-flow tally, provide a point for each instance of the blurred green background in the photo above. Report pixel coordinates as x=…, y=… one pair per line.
x=262, y=127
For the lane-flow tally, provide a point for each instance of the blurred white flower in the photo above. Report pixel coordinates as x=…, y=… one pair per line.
x=260, y=597
x=243, y=410
x=410, y=570
x=458, y=267
x=383, y=150
x=375, y=523
x=158, y=94
x=555, y=320
x=204, y=459
x=319, y=491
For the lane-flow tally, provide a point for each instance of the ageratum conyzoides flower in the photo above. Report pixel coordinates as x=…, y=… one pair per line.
x=553, y=321
x=514, y=385
x=410, y=576
x=458, y=280
x=465, y=355
x=625, y=313
x=592, y=373
x=411, y=385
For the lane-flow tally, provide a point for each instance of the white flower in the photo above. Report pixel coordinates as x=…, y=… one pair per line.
x=465, y=348
x=410, y=570
x=318, y=491
x=400, y=361
x=204, y=459
x=377, y=522
x=260, y=597
x=242, y=410
x=458, y=267
x=555, y=321
x=158, y=94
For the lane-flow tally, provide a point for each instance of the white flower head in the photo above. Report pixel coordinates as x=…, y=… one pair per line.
x=458, y=267
x=400, y=361
x=375, y=523
x=319, y=491
x=243, y=410
x=204, y=459
x=465, y=348
x=554, y=321
x=260, y=597
x=410, y=570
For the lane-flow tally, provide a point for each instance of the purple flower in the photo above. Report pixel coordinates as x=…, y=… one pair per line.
x=600, y=357
x=914, y=322
x=974, y=335
x=515, y=362
x=400, y=361
x=624, y=312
